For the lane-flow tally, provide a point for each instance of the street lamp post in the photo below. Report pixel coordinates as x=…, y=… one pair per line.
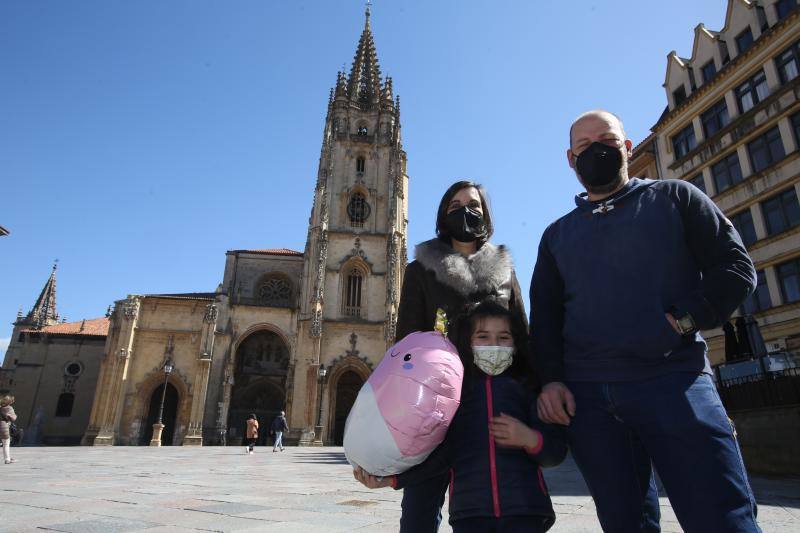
x=321, y=373
x=158, y=427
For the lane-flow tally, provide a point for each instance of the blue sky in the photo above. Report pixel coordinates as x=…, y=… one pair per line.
x=141, y=140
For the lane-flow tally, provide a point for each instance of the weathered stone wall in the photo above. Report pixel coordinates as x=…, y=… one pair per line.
x=770, y=440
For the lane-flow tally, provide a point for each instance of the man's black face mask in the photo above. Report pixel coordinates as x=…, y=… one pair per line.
x=599, y=164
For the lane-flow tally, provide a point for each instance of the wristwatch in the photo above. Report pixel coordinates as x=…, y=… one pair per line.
x=686, y=325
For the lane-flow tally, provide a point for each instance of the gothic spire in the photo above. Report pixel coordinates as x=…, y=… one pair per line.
x=364, y=83
x=44, y=312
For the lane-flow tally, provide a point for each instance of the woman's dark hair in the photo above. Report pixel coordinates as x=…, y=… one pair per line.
x=461, y=336
x=441, y=213
x=251, y=416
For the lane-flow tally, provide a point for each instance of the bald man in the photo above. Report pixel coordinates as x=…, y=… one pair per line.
x=622, y=285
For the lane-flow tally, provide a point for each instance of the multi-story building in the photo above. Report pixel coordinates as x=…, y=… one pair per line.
x=732, y=128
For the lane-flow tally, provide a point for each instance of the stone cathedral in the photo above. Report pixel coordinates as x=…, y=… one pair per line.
x=285, y=330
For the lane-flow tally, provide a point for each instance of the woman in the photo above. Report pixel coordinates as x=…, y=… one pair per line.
x=252, y=432
x=457, y=268
x=7, y=415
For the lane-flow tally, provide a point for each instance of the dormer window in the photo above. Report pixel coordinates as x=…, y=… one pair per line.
x=709, y=70
x=679, y=95
x=744, y=40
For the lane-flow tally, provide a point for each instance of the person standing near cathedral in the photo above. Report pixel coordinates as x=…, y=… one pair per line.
x=457, y=268
x=278, y=427
x=621, y=288
x=252, y=432
x=7, y=416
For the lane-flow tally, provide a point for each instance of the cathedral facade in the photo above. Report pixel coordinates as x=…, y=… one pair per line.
x=285, y=330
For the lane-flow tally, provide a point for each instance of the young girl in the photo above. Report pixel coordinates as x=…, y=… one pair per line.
x=495, y=446
x=252, y=432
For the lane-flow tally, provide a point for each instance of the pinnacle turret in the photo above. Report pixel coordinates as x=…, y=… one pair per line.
x=364, y=83
x=44, y=311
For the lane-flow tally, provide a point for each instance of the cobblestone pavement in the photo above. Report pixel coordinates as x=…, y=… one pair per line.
x=222, y=489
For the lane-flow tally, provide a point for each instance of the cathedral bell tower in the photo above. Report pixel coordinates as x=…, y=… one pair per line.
x=355, y=252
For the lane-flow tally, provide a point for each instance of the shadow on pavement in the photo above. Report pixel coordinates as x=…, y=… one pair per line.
x=331, y=458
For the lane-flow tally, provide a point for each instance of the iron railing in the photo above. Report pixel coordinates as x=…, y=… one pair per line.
x=770, y=389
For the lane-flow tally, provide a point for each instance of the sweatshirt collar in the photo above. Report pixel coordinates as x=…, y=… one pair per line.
x=634, y=185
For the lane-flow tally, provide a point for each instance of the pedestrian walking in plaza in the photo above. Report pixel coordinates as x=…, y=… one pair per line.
x=457, y=268
x=621, y=288
x=496, y=445
x=7, y=417
x=279, y=425
x=252, y=432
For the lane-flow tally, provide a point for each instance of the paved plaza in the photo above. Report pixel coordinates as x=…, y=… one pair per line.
x=222, y=489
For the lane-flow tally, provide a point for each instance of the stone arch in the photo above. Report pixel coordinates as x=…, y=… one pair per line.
x=141, y=409
x=346, y=377
x=354, y=277
x=260, y=361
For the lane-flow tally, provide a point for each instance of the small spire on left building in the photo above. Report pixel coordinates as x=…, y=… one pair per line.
x=44, y=313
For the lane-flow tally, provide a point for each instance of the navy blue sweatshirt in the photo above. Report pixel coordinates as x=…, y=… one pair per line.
x=607, y=272
x=486, y=479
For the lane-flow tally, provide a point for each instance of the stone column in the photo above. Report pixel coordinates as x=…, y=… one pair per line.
x=110, y=396
x=194, y=434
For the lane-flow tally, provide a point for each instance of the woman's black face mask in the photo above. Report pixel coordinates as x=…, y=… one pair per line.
x=465, y=224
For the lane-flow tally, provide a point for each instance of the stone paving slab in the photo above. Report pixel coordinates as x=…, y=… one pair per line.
x=306, y=490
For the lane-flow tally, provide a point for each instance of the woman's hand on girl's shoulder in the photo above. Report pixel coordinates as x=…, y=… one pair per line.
x=370, y=481
x=508, y=431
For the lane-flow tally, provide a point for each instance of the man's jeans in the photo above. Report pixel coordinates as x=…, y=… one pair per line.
x=676, y=423
x=278, y=440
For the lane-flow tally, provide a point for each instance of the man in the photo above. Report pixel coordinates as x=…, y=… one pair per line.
x=622, y=285
x=277, y=428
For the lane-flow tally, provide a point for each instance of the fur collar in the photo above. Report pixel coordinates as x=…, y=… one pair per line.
x=486, y=270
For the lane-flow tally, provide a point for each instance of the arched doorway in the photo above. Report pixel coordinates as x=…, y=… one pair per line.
x=169, y=417
x=347, y=387
x=262, y=362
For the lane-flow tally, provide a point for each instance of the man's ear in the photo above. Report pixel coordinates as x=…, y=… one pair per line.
x=569, y=158
x=629, y=147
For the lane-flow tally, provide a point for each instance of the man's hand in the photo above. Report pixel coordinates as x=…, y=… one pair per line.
x=370, y=481
x=508, y=431
x=673, y=323
x=555, y=404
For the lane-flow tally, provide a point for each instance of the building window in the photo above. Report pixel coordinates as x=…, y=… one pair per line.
x=752, y=91
x=362, y=131
x=766, y=150
x=358, y=210
x=64, y=406
x=360, y=164
x=679, y=95
x=781, y=212
x=784, y=7
x=715, y=118
x=796, y=127
x=743, y=222
x=759, y=300
x=684, y=141
x=727, y=172
x=275, y=292
x=709, y=70
x=73, y=369
x=744, y=40
x=789, y=278
x=352, y=292
x=787, y=63
x=698, y=182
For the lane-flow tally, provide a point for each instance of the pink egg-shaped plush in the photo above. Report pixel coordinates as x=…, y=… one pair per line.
x=403, y=411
